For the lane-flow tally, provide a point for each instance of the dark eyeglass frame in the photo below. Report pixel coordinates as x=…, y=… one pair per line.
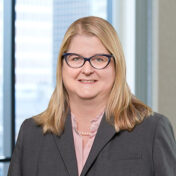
x=109, y=56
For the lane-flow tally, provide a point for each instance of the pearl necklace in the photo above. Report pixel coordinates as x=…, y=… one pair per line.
x=84, y=133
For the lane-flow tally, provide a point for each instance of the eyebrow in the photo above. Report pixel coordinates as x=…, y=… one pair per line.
x=91, y=55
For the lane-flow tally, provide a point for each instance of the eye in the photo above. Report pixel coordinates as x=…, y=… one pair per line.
x=73, y=58
x=99, y=59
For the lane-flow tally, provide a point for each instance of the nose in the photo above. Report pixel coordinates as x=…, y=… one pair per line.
x=87, y=68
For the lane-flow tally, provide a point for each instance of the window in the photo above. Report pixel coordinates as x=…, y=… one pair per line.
x=39, y=29
x=40, y=26
x=123, y=20
x=35, y=34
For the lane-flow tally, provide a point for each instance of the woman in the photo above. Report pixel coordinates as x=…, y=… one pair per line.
x=93, y=125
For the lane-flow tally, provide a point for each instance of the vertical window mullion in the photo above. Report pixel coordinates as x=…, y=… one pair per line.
x=144, y=51
x=8, y=80
x=109, y=11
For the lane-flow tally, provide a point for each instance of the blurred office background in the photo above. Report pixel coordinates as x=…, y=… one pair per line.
x=30, y=35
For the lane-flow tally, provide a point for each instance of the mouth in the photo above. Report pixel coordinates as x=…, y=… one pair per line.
x=86, y=81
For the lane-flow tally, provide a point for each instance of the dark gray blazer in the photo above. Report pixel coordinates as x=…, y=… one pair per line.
x=149, y=150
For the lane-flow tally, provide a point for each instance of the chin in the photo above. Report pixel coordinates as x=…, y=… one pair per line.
x=87, y=97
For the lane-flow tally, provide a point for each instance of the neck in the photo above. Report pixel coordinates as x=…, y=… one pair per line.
x=86, y=110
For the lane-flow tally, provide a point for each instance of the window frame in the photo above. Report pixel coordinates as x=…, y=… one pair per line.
x=8, y=82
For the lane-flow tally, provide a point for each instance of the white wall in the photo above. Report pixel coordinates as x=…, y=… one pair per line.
x=164, y=58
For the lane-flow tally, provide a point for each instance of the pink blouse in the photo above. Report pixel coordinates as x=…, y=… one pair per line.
x=82, y=153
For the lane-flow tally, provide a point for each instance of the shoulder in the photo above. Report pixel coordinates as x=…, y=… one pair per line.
x=152, y=126
x=155, y=120
x=156, y=126
x=163, y=127
x=164, y=146
x=30, y=131
x=30, y=124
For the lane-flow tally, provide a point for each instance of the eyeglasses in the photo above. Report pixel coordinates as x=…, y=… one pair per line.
x=98, y=61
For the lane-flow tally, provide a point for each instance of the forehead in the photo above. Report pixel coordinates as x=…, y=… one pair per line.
x=86, y=44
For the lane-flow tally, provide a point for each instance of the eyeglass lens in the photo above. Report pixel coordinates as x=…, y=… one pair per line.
x=97, y=61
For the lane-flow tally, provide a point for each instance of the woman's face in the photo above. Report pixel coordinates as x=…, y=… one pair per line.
x=88, y=83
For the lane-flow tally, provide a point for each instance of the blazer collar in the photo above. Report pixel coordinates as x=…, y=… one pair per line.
x=65, y=144
x=104, y=135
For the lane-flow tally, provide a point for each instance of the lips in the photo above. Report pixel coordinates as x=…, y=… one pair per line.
x=88, y=81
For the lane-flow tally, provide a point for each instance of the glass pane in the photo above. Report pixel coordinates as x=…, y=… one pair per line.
x=1, y=85
x=40, y=26
x=1, y=169
x=34, y=80
x=4, y=168
x=1, y=77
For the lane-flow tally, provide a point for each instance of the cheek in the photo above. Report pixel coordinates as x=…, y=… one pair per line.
x=65, y=72
x=65, y=76
x=69, y=75
x=66, y=81
x=113, y=77
x=110, y=75
x=108, y=81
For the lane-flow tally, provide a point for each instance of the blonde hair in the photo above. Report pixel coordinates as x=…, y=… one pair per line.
x=123, y=109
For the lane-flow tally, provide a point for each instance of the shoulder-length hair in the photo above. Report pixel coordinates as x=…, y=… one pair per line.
x=123, y=109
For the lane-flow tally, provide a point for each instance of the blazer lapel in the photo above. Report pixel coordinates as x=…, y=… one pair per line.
x=103, y=136
x=65, y=144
